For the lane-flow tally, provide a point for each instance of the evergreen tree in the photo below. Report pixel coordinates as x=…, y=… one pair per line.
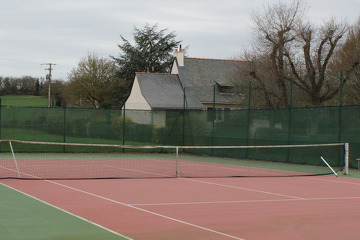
x=151, y=52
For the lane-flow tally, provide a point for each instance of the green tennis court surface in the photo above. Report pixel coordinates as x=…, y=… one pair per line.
x=25, y=218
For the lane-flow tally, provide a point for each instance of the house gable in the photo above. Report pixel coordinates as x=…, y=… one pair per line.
x=136, y=99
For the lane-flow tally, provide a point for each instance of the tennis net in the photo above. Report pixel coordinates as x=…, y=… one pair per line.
x=48, y=160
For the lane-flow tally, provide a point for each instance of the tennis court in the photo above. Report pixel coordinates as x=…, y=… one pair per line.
x=117, y=195
x=318, y=207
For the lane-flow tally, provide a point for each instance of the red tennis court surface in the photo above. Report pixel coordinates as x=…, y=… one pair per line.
x=319, y=207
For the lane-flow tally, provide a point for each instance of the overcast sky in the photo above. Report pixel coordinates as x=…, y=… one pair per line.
x=62, y=32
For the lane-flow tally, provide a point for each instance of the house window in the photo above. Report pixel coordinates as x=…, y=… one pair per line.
x=228, y=90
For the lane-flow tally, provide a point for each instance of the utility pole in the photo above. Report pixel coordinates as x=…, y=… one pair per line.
x=48, y=77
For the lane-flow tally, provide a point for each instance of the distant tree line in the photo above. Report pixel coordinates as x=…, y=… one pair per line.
x=32, y=86
x=20, y=86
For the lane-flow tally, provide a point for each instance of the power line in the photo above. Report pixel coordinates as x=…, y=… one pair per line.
x=17, y=60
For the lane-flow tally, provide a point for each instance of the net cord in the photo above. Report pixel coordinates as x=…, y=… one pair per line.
x=174, y=147
x=15, y=161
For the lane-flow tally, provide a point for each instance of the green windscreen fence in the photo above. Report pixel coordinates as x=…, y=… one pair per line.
x=192, y=128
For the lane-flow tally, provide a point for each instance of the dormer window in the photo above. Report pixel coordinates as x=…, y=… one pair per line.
x=227, y=89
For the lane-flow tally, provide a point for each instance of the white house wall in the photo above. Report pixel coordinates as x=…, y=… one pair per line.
x=155, y=118
x=136, y=100
x=174, y=69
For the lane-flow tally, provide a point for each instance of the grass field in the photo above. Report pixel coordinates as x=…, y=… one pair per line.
x=24, y=101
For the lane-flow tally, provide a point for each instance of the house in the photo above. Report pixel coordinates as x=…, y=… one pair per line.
x=193, y=84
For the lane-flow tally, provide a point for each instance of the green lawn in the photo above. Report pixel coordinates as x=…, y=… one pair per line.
x=25, y=218
x=24, y=101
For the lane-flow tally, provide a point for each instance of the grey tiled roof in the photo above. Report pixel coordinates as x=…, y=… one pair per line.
x=164, y=91
x=201, y=75
x=198, y=78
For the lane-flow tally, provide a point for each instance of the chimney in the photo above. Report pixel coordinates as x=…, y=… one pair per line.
x=179, y=56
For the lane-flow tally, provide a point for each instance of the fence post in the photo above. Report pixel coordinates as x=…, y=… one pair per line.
x=289, y=119
x=340, y=105
x=0, y=120
x=249, y=102
x=340, y=116
x=123, y=126
x=213, y=117
x=183, y=123
x=341, y=88
x=64, y=130
x=248, y=122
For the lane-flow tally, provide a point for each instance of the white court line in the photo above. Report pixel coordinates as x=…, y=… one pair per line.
x=63, y=210
x=215, y=202
x=242, y=188
x=147, y=211
x=336, y=181
x=139, y=171
x=243, y=201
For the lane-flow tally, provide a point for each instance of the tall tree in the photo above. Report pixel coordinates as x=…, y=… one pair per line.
x=151, y=52
x=275, y=32
x=91, y=82
x=292, y=50
x=347, y=61
x=311, y=72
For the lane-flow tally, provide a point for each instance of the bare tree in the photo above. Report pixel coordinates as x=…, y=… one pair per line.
x=275, y=32
x=347, y=61
x=311, y=68
x=292, y=50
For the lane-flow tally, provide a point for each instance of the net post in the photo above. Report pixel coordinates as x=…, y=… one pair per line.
x=13, y=154
x=346, y=159
x=177, y=162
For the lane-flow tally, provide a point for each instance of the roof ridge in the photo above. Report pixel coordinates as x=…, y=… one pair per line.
x=155, y=73
x=217, y=59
